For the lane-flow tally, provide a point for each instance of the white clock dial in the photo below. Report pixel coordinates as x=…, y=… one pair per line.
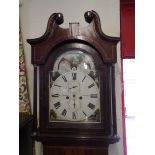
x=74, y=96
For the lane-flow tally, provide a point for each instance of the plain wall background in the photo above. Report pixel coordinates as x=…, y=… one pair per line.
x=34, y=15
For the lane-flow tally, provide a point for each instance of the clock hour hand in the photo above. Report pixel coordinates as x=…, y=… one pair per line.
x=57, y=95
x=73, y=87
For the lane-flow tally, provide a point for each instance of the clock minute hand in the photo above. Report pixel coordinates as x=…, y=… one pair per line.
x=91, y=95
x=57, y=95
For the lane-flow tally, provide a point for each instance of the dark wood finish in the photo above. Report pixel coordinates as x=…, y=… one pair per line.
x=56, y=150
x=102, y=48
x=113, y=100
x=25, y=132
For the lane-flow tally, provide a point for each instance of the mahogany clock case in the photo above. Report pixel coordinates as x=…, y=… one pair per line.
x=105, y=101
x=45, y=50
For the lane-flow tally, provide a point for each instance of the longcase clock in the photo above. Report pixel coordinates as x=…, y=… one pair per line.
x=74, y=88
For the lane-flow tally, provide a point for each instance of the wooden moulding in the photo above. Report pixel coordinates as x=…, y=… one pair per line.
x=91, y=34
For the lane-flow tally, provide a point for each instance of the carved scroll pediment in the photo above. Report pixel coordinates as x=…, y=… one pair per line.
x=91, y=34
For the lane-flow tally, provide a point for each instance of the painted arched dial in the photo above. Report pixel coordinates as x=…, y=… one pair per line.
x=74, y=59
x=74, y=93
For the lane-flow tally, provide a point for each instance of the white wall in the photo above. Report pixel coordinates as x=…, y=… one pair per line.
x=34, y=15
